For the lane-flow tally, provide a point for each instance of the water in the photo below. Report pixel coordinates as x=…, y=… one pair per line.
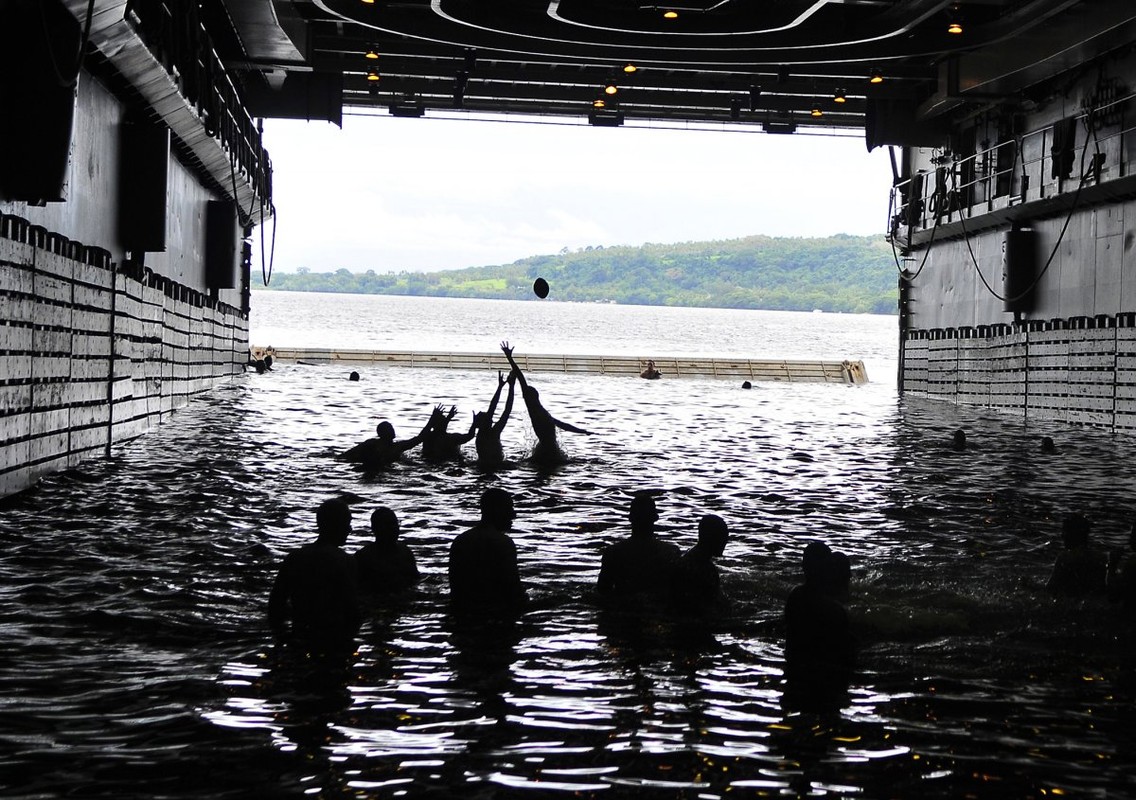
x=137, y=661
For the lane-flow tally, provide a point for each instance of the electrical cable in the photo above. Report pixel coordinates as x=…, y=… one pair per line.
x=926, y=252
x=1060, y=238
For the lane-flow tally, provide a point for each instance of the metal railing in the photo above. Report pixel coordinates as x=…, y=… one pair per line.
x=1033, y=166
x=173, y=32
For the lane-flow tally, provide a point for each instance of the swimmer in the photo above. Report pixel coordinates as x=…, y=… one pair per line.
x=958, y=440
x=640, y=564
x=354, y=376
x=544, y=424
x=383, y=450
x=385, y=565
x=695, y=583
x=650, y=373
x=438, y=444
x=820, y=652
x=483, y=560
x=488, y=440
x=1047, y=445
x=314, y=601
x=747, y=385
x=1080, y=569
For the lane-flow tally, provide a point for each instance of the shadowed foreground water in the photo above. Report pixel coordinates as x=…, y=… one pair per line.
x=137, y=661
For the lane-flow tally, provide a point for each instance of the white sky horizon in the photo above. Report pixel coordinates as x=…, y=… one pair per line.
x=393, y=194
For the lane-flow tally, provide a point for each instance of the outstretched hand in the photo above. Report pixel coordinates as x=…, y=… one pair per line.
x=501, y=377
x=508, y=351
x=453, y=412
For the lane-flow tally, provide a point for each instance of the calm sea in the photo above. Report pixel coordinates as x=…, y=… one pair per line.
x=137, y=661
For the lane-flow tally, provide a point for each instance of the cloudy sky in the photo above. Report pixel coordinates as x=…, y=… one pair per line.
x=428, y=194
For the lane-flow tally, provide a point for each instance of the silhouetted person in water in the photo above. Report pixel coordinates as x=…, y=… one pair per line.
x=314, y=601
x=650, y=373
x=488, y=439
x=354, y=376
x=695, y=584
x=383, y=450
x=1122, y=575
x=1080, y=569
x=544, y=424
x=1047, y=445
x=438, y=444
x=483, y=560
x=819, y=649
x=958, y=440
x=640, y=564
x=747, y=385
x=385, y=565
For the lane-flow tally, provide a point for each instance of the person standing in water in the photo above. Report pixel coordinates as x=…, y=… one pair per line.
x=544, y=424
x=488, y=440
x=315, y=599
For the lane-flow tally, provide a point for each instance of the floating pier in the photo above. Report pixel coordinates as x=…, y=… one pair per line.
x=670, y=366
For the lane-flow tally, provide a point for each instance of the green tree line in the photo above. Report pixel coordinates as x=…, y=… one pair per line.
x=841, y=273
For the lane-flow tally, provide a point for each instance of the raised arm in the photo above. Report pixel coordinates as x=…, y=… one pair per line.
x=508, y=351
x=497, y=394
x=402, y=447
x=499, y=425
x=465, y=437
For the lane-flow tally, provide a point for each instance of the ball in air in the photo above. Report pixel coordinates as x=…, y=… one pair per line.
x=540, y=288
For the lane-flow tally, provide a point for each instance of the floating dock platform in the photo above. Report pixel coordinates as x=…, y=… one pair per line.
x=852, y=372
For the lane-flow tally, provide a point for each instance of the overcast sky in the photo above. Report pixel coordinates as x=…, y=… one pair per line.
x=393, y=194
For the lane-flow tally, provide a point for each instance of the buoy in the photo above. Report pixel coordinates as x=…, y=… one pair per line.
x=540, y=288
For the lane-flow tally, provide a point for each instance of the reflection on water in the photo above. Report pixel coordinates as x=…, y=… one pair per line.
x=138, y=661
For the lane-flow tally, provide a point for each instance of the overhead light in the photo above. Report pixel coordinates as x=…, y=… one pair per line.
x=367, y=2
x=779, y=127
x=373, y=75
x=371, y=54
x=816, y=112
x=409, y=107
x=954, y=27
x=876, y=77
x=610, y=88
x=954, y=21
x=599, y=102
x=839, y=97
x=630, y=68
x=671, y=14
x=605, y=118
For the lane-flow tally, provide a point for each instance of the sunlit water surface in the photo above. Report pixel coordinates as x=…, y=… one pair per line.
x=137, y=661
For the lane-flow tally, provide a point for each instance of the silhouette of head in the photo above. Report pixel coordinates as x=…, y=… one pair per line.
x=384, y=430
x=643, y=514
x=354, y=376
x=1047, y=445
x=384, y=524
x=841, y=574
x=712, y=534
x=815, y=562
x=333, y=521
x=1075, y=530
x=747, y=385
x=268, y=362
x=497, y=508
x=481, y=420
x=958, y=441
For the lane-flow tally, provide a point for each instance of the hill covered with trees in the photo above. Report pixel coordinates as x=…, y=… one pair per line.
x=836, y=273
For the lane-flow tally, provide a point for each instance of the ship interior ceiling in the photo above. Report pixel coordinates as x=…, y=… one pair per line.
x=780, y=66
